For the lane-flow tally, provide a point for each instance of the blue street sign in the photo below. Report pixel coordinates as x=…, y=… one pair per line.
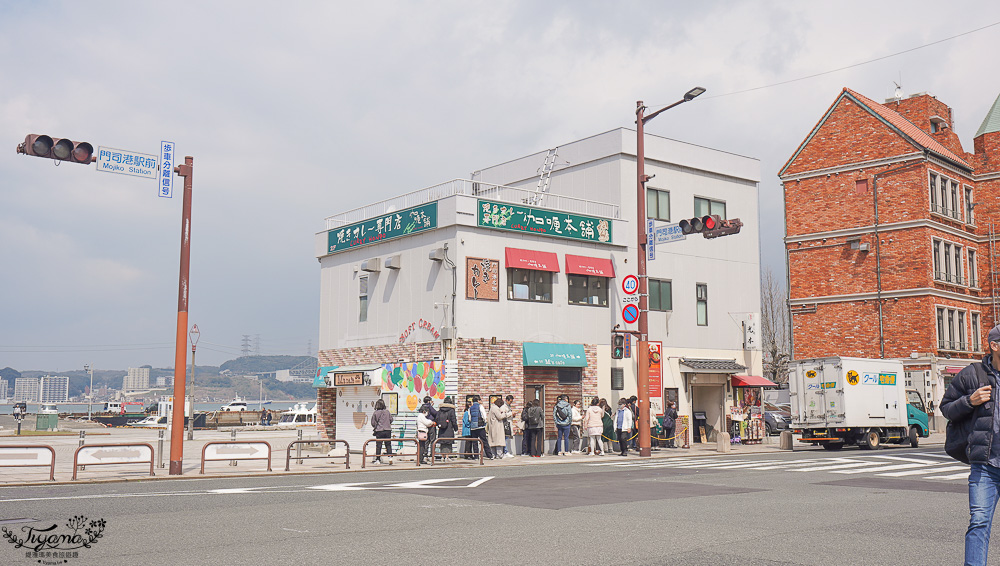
x=669, y=233
x=650, y=240
x=165, y=180
x=630, y=313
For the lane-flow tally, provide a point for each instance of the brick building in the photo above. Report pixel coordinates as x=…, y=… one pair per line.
x=890, y=236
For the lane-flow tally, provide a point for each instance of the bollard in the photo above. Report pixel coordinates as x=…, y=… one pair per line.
x=722, y=440
x=159, y=448
x=233, y=462
x=298, y=449
x=83, y=439
x=785, y=440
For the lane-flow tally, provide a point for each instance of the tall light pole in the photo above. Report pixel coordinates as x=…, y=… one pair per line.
x=90, y=392
x=642, y=350
x=180, y=350
x=194, y=334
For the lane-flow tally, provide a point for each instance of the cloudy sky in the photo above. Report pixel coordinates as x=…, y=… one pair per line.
x=299, y=112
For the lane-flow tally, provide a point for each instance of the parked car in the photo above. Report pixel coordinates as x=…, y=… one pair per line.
x=776, y=421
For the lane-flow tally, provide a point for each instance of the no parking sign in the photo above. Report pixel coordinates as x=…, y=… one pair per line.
x=630, y=313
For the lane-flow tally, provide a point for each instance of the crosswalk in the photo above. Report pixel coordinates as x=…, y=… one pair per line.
x=908, y=465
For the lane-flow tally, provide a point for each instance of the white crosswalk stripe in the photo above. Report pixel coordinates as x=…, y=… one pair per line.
x=913, y=465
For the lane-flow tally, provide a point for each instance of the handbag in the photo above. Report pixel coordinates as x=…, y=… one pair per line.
x=421, y=435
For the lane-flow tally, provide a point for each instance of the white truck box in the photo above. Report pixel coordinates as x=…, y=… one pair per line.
x=847, y=392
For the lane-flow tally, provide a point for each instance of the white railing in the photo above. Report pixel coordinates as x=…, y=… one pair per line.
x=488, y=191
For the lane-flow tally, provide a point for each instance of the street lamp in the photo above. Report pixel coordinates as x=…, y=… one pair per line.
x=642, y=357
x=90, y=392
x=195, y=334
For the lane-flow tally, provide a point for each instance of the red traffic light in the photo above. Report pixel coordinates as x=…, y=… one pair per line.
x=699, y=224
x=724, y=228
x=60, y=149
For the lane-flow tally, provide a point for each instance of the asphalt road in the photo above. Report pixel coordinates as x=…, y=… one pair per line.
x=894, y=506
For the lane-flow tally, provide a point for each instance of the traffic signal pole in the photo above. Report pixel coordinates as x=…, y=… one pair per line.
x=180, y=353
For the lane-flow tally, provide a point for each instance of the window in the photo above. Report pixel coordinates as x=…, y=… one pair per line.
x=658, y=204
x=588, y=290
x=363, y=292
x=701, y=293
x=947, y=262
x=952, y=330
x=961, y=331
x=529, y=285
x=969, y=205
x=973, y=280
x=660, y=295
x=934, y=193
x=704, y=207
x=944, y=196
x=617, y=379
x=957, y=277
x=974, y=334
x=936, y=246
x=570, y=376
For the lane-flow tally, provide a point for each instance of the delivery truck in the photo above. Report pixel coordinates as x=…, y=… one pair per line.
x=836, y=402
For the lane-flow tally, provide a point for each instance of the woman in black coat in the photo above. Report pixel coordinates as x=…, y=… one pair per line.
x=447, y=424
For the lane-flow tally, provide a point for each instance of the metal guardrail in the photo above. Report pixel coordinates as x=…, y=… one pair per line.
x=234, y=456
x=10, y=452
x=364, y=447
x=346, y=456
x=116, y=454
x=478, y=441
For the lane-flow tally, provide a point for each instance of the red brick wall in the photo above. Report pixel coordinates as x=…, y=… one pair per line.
x=326, y=413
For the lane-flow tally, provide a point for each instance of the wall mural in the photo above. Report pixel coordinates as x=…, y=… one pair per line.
x=413, y=381
x=482, y=278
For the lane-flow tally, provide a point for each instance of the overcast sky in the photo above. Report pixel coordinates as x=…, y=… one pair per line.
x=296, y=111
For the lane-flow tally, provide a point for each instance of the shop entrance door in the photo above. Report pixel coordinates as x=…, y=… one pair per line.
x=535, y=393
x=708, y=400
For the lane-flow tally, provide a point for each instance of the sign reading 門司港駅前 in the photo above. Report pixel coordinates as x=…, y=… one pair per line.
x=386, y=227
x=125, y=162
x=519, y=218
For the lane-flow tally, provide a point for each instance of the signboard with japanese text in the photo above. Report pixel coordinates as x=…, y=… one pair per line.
x=655, y=378
x=518, y=218
x=669, y=233
x=482, y=278
x=386, y=227
x=650, y=239
x=125, y=162
x=344, y=379
x=165, y=184
x=751, y=332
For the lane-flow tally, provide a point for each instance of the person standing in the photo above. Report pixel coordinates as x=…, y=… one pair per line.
x=969, y=403
x=477, y=425
x=623, y=425
x=508, y=428
x=609, y=424
x=536, y=428
x=466, y=433
x=562, y=414
x=447, y=424
x=382, y=426
x=575, y=428
x=525, y=445
x=432, y=414
x=633, y=405
x=498, y=414
x=593, y=423
x=424, y=424
x=669, y=423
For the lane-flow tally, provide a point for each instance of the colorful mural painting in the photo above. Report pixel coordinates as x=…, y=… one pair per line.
x=415, y=380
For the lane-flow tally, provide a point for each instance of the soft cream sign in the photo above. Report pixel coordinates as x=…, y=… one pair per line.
x=419, y=324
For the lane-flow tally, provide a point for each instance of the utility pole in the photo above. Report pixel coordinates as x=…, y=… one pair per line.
x=90, y=392
x=194, y=334
x=180, y=351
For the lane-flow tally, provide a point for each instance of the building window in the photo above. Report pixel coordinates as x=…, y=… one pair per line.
x=704, y=207
x=529, y=285
x=973, y=279
x=944, y=196
x=588, y=290
x=936, y=247
x=701, y=293
x=617, y=379
x=570, y=376
x=962, y=345
x=974, y=334
x=660, y=295
x=947, y=262
x=952, y=330
x=934, y=192
x=969, y=206
x=363, y=292
x=658, y=204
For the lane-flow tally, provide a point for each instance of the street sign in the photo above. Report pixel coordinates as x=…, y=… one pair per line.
x=125, y=162
x=669, y=233
x=25, y=456
x=630, y=300
x=630, y=284
x=630, y=313
x=165, y=184
x=124, y=454
x=650, y=240
x=237, y=451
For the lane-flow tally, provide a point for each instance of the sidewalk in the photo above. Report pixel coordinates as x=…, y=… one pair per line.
x=313, y=460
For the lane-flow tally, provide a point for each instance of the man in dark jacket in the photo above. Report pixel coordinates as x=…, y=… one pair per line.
x=963, y=400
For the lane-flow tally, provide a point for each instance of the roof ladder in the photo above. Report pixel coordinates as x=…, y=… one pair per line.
x=546, y=174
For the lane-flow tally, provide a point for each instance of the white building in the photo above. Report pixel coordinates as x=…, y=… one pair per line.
x=26, y=390
x=3, y=390
x=137, y=379
x=511, y=283
x=53, y=389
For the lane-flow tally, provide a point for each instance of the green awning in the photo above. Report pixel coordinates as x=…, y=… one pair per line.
x=558, y=355
x=321, y=373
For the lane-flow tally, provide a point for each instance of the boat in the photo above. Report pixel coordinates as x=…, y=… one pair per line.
x=117, y=413
x=297, y=417
x=152, y=421
x=236, y=405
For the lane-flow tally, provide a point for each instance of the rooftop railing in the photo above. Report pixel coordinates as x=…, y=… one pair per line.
x=499, y=193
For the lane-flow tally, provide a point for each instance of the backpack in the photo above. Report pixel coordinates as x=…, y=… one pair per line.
x=956, y=440
x=562, y=413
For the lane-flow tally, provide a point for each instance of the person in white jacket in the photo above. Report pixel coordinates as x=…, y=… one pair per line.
x=424, y=424
x=575, y=427
x=623, y=425
x=593, y=424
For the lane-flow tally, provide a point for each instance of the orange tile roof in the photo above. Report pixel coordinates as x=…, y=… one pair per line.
x=907, y=127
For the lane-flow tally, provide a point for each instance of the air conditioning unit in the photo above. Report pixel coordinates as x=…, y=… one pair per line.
x=392, y=262
x=436, y=254
x=448, y=333
x=371, y=265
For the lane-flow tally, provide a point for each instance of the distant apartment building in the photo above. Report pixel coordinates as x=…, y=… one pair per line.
x=26, y=389
x=3, y=389
x=891, y=243
x=164, y=381
x=53, y=389
x=137, y=379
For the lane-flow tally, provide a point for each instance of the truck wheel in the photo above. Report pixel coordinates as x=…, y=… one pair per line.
x=871, y=441
x=914, y=436
x=833, y=445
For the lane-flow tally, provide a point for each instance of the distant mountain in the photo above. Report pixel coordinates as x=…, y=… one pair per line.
x=264, y=364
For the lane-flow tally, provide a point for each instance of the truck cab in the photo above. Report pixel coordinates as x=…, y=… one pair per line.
x=916, y=414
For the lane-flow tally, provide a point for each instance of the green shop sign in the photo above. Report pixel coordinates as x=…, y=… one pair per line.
x=391, y=225
x=517, y=218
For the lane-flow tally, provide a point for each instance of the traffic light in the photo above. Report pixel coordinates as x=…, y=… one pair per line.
x=617, y=347
x=710, y=226
x=60, y=149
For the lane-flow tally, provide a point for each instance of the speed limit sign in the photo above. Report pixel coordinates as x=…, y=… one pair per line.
x=630, y=284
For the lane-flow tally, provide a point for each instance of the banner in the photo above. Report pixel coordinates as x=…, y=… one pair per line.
x=655, y=378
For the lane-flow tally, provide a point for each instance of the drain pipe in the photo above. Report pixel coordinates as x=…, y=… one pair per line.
x=454, y=291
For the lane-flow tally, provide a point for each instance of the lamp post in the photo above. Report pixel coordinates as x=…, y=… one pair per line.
x=180, y=352
x=642, y=355
x=194, y=334
x=90, y=392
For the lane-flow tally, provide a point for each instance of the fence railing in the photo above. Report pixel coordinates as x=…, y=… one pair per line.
x=332, y=443
x=106, y=454
x=28, y=456
x=478, y=442
x=364, y=447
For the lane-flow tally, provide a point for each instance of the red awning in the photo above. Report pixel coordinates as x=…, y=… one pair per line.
x=952, y=370
x=581, y=265
x=530, y=259
x=752, y=381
